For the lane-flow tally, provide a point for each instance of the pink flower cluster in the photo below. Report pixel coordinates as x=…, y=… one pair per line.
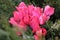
x=33, y=16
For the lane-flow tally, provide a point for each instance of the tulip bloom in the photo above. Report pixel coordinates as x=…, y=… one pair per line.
x=48, y=10
x=31, y=15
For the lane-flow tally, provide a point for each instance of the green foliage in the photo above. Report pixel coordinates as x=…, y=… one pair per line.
x=4, y=35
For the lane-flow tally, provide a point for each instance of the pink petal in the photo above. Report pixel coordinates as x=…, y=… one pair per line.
x=22, y=4
x=39, y=33
x=44, y=32
x=16, y=15
x=22, y=25
x=26, y=19
x=41, y=20
x=12, y=21
x=36, y=37
x=48, y=10
x=34, y=24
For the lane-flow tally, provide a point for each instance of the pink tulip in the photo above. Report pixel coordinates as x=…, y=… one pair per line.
x=12, y=21
x=43, y=18
x=22, y=4
x=36, y=37
x=35, y=11
x=22, y=25
x=48, y=10
x=22, y=9
x=33, y=16
x=39, y=33
x=26, y=19
x=34, y=24
x=16, y=15
x=44, y=32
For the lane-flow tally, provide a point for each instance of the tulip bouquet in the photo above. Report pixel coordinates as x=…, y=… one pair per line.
x=33, y=16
